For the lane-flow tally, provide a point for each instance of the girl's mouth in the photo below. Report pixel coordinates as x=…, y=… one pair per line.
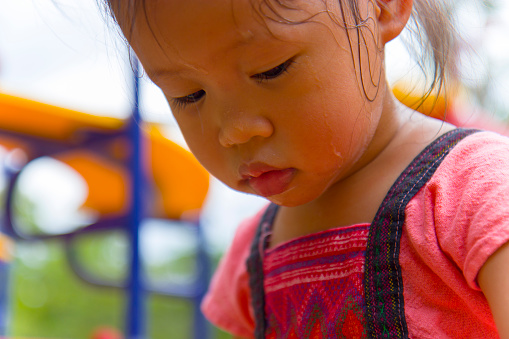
x=268, y=181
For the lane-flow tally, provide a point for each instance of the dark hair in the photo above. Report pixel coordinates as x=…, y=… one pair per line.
x=433, y=38
x=437, y=39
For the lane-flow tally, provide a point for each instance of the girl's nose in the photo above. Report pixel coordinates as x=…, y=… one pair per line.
x=240, y=128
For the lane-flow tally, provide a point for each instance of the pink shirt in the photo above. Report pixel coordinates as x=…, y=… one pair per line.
x=452, y=225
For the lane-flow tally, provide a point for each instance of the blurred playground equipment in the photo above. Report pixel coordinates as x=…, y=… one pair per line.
x=450, y=108
x=132, y=171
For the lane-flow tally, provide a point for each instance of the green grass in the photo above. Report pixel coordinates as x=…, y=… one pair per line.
x=49, y=301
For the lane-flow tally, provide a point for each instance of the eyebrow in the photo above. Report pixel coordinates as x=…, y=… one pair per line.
x=162, y=72
x=245, y=39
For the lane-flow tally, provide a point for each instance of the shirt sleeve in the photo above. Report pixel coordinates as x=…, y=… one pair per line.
x=227, y=303
x=471, y=202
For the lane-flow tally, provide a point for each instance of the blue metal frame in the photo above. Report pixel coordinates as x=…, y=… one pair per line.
x=135, y=327
x=136, y=287
x=10, y=173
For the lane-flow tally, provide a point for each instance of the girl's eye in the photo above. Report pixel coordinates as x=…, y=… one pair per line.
x=188, y=99
x=274, y=72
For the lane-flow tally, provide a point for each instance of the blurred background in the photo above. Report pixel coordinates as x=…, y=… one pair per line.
x=62, y=53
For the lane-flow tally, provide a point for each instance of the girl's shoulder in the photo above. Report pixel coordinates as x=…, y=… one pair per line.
x=465, y=204
x=227, y=303
x=475, y=173
x=481, y=152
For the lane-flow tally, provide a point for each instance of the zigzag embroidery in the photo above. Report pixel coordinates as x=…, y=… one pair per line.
x=314, y=289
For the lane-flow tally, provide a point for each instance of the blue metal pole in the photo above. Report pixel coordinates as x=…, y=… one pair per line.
x=136, y=303
x=202, y=327
x=12, y=173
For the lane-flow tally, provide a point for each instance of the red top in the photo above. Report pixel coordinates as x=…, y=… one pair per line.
x=452, y=225
x=313, y=285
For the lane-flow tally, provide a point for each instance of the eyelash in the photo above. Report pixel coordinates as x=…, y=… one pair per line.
x=273, y=73
x=181, y=102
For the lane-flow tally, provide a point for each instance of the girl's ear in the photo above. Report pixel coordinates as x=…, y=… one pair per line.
x=393, y=16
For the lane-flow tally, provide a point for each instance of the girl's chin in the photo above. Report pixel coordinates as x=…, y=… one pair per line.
x=291, y=198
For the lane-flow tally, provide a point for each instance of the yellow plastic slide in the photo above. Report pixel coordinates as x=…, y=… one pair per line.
x=179, y=183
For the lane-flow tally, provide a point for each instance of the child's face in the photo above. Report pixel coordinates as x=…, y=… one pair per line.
x=274, y=109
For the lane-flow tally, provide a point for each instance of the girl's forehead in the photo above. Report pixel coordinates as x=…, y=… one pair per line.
x=186, y=30
x=193, y=22
x=190, y=16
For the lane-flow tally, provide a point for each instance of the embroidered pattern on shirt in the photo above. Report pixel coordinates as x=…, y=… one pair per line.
x=314, y=285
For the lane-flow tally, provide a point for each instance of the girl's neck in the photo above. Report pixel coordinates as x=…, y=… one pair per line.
x=356, y=198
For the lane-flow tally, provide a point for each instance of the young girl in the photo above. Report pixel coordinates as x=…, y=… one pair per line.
x=383, y=222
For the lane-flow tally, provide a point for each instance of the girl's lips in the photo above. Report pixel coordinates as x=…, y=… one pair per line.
x=269, y=182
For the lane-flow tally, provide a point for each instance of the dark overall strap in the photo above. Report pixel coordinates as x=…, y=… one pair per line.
x=255, y=270
x=383, y=285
